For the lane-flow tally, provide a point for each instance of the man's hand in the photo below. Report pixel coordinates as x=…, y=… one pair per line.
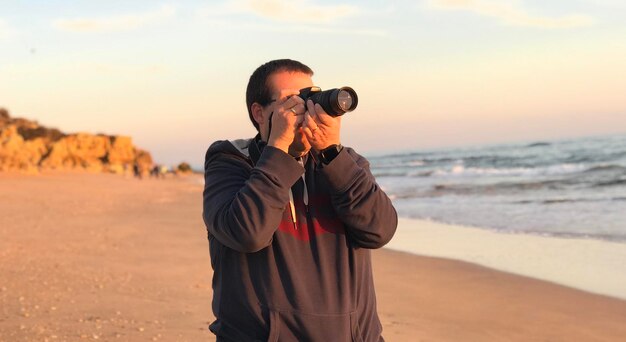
x=288, y=116
x=321, y=129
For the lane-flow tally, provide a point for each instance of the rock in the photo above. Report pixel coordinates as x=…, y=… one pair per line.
x=144, y=160
x=122, y=150
x=18, y=154
x=184, y=168
x=4, y=115
x=49, y=134
x=78, y=151
x=28, y=147
x=121, y=155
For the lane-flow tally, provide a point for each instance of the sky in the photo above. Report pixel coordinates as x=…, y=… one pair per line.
x=429, y=74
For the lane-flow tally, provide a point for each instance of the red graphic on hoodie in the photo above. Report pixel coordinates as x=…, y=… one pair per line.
x=319, y=218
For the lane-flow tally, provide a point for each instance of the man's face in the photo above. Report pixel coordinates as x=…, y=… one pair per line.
x=284, y=84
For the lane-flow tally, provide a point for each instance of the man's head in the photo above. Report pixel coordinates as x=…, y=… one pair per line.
x=261, y=91
x=272, y=81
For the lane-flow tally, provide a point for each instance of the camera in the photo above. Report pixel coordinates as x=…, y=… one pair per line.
x=336, y=102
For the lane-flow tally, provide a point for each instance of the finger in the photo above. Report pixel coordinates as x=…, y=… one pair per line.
x=308, y=133
x=299, y=119
x=289, y=108
x=307, y=120
x=291, y=101
x=312, y=125
x=324, y=118
x=312, y=111
x=298, y=109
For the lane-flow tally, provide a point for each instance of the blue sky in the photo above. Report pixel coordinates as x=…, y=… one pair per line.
x=429, y=73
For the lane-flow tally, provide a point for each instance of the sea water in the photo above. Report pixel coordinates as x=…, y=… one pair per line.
x=566, y=188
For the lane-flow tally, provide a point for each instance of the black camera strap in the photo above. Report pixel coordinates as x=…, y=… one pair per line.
x=269, y=131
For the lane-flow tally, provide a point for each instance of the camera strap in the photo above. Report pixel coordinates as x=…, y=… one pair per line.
x=269, y=131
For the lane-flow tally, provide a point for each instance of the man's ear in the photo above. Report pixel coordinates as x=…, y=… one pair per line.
x=257, y=113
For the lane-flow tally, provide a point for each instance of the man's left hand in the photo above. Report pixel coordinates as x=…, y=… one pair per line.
x=321, y=129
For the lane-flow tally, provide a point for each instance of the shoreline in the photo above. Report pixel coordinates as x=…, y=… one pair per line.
x=590, y=265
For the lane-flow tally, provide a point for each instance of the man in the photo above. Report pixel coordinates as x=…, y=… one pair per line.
x=291, y=218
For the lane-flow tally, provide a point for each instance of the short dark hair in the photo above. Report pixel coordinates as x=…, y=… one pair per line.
x=258, y=89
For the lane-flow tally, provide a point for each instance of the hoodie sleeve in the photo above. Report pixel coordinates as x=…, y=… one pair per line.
x=359, y=202
x=243, y=205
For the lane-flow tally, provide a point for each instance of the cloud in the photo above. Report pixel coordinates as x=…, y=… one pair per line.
x=317, y=29
x=115, y=23
x=511, y=13
x=335, y=30
x=6, y=31
x=300, y=11
x=286, y=16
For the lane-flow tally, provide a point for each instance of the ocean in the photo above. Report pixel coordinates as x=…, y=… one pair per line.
x=566, y=188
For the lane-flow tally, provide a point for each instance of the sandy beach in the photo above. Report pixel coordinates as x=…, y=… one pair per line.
x=104, y=257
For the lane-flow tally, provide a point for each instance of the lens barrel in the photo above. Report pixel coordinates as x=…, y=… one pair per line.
x=336, y=102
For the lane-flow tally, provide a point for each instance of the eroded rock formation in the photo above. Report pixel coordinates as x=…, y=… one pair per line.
x=27, y=146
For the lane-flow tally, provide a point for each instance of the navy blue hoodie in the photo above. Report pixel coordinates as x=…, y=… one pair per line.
x=290, y=244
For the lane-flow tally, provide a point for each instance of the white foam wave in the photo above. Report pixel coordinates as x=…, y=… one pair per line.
x=461, y=170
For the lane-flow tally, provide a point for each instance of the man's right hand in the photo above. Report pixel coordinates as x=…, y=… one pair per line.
x=288, y=116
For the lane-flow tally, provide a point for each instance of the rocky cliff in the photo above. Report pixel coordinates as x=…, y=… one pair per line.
x=27, y=146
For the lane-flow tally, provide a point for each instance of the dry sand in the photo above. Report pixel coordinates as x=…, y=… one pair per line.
x=103, y=257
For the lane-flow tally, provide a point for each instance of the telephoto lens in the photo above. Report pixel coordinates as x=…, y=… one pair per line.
x=336, y=102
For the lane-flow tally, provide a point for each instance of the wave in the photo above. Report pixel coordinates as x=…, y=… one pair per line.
x=606, y=168
x=538, y=144
x=613, y=182
x=489, y=189
x=573, y=188
x=392, y=164
x=498, y=188
x=507, y=159
x=571, y=235
x=389, y=174
x=458, y=170
x=561, y=189
x=591, y=157
x=561, y=200
x=570, y=200
x=421, y=173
